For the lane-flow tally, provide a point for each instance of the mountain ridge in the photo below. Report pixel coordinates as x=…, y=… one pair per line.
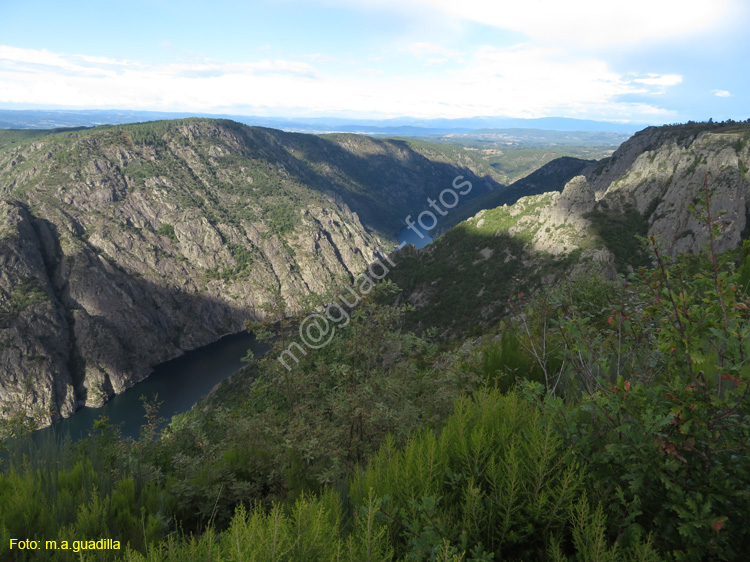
x=115, y=240
x=646, y=188
x=51, y=118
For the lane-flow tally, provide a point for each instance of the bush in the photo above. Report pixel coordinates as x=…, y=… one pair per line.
x=167, y=230
x=311, y=530
x=619, y=231
x=494, y=477
x=665, y=425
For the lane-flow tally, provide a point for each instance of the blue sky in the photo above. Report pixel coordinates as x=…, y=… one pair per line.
x=644, y=61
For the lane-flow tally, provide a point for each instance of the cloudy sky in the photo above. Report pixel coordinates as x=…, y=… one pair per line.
x=643, y=61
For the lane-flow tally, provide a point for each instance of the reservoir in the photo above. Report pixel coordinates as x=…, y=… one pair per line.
x=179, y=384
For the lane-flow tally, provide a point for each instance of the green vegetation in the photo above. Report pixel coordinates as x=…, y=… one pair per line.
x=493, y=478
x=167, y=230
x=243, y=259
x=543, y=180
x=621, y=230
x=511, y=154
x=25, y=294
x=744, y=270
x=685, y=133
x=743, y=167
x=608, y=422
x=514, y=164
x=11, y=137
x=599, y=421
x=237, y=174
x=283, y=217
x=465, y=279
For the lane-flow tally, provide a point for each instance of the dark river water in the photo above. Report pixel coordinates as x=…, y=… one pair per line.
x=409, y=236
x=179, y=384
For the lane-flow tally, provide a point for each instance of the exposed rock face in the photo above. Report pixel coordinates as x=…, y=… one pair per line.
x=666, y=173
x=123, y=247
x=550, y=177
x=660, y=172
x=652, y=178
x=99, y=313
x=38, y=355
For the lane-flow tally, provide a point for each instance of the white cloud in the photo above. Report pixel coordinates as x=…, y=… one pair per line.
x=434, y=55
x=523, y=81
x=721, y=93
x=425, y=50
x=533, y=81
x=32, y=60
x=321, y=58
x=660, y=80
x=591, y=23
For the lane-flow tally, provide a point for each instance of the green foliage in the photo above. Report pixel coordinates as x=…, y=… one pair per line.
x=742, y=167
x=148, y=134
x=459, y=281
x=589, y=530
x=244, y=260
x=697, y=161
x=11, y=137
x=617, y=428
x=493, y=477
x=315, y=422
x=511, y=154
x=744, y=271
x=310, y=530
x=79, y=493
x=167, y=230
x=505, y=361
x=664, y=422
x=502, y=480
x=266, y=442
x=283, y=217
x=25, y=294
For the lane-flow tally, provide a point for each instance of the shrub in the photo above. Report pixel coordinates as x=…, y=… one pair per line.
x=666, y=421
x=167, y=230
x=494, y=477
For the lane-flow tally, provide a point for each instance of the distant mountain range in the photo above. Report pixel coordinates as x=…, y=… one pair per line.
x=404, y=126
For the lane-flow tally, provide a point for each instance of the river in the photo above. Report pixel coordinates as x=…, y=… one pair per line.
x=179, y=384
x=409, y=236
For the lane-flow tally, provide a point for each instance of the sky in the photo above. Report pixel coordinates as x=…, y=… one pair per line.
x=641, y=61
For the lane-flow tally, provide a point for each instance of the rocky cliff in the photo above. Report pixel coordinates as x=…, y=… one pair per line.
x=661, y=171
x=552, y=176
x=121, y=247
x=652, y=181
x=647, y=187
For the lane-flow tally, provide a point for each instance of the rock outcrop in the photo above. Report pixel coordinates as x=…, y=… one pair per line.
x=660, y=173
x=665, y=175
x=647, y=187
